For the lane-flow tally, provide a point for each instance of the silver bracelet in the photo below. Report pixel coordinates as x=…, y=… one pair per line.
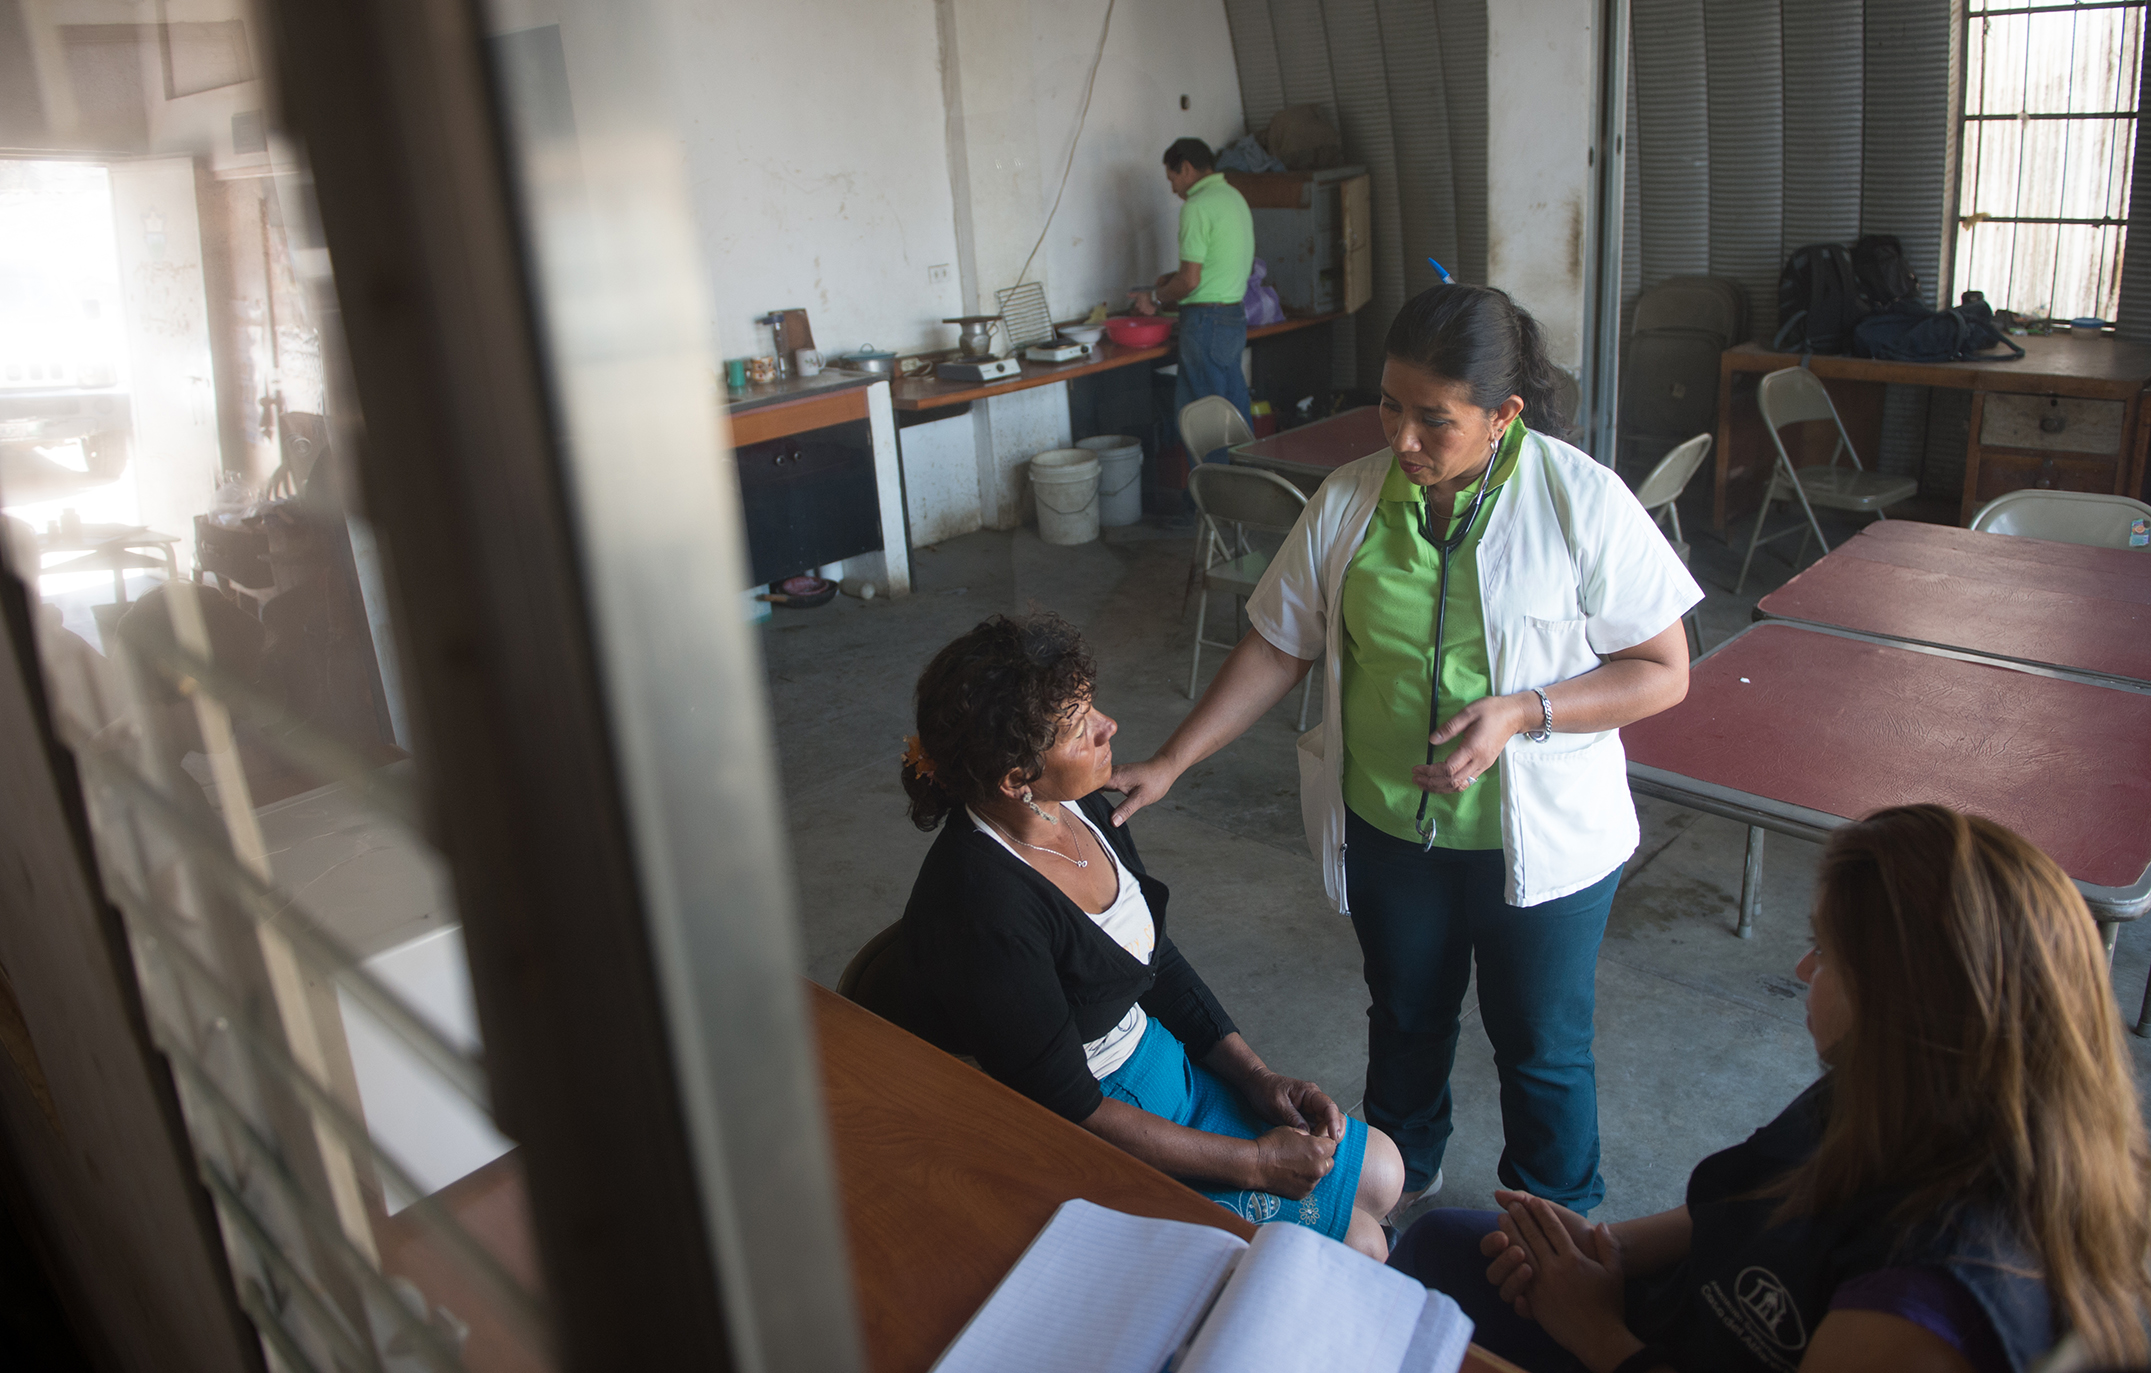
x=1545, y=729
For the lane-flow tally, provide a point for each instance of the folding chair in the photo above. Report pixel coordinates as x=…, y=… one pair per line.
x=1788, y=397
x=1206, y=425
x=1659, y=493
x=1246, y=498
x=2084, y=517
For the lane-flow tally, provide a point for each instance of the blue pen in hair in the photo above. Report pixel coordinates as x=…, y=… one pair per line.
x=1442, y=272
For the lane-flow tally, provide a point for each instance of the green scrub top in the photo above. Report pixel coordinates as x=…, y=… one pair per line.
x=1217, y=230
x=1388, y=662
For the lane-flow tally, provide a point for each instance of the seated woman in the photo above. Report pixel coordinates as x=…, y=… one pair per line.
x=1035, y=942
x=1965, y=1183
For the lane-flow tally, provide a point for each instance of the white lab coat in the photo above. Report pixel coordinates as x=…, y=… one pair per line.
x=1570, y=569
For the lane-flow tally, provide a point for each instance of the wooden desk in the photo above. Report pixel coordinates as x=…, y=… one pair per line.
x=2094, y=385
x=1308, y=454
x=946, y=1180
x=1798, y=729
x=2060, y=605
x=929, y=393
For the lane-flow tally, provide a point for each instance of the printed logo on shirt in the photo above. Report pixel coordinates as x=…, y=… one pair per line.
x=1258, y=1206
x=1761, y=1314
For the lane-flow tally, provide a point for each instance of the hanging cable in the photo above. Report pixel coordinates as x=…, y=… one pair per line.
x=1081, y=117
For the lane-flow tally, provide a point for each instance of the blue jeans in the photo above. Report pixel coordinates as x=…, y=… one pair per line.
x=1212, y=338
x=1442, y=1251
x=1422, y=919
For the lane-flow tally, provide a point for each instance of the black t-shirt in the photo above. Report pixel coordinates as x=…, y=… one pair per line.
x=1749, y=1294
x=994, y=961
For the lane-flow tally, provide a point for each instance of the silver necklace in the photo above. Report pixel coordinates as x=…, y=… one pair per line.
x=1079, y=862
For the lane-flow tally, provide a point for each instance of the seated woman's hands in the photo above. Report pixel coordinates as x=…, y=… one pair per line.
x=1289, y=1161
x=1291, y=1101
x=1560, y=1270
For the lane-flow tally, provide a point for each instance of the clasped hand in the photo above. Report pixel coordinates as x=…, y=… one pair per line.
x=1302, y=1148
x=1480, y=731
x=1558, y=1269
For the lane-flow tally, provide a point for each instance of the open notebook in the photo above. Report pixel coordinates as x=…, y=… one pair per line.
x=1100, y=1291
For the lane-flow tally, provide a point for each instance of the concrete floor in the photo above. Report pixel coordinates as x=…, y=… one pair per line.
x=1701, y=1035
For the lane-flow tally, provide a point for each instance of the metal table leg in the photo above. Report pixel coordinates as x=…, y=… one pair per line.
x=1751, y=883
x=2143, y=1017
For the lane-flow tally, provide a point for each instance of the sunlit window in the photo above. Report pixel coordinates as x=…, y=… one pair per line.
x=2049, y=139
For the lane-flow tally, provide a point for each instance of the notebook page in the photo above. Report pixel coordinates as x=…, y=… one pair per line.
x=1098, y=1291
x=1300, y=1301
x=1439, y=1342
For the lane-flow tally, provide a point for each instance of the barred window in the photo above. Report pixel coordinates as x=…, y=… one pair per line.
x=2049, y=139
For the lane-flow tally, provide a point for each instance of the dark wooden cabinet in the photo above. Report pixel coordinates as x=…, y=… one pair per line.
x=809, y=499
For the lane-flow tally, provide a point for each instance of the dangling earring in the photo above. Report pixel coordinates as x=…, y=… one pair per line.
x=1040, y=811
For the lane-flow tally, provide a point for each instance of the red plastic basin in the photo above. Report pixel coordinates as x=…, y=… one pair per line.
x=1138, y=331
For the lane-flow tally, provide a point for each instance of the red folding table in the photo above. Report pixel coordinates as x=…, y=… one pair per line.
x=1308, y=454
x=2060, y=605
x=1800, y=728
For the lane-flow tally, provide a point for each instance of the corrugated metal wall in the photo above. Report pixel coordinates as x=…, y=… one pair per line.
x=1763, y=125
x=1405, y=82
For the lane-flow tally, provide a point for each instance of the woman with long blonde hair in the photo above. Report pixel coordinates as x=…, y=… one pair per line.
x=1966, y=1183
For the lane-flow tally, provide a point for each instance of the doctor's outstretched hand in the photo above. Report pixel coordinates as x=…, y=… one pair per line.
x=1141, y=783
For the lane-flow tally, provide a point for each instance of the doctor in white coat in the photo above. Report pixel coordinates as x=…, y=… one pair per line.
x=1489, y=606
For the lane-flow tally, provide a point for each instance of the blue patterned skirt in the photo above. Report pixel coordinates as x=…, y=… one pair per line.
x=1160, y=1078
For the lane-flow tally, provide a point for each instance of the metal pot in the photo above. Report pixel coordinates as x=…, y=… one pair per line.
x=868, y=359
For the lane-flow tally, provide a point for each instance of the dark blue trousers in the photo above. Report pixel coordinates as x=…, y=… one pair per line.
x=1442, y=1251
x=1212, y=338
x=1423, y=918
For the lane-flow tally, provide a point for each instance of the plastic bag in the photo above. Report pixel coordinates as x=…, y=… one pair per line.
x=1260, y=304
x=1247, y=155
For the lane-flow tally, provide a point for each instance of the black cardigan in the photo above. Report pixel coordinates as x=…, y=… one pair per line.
x=994, y=961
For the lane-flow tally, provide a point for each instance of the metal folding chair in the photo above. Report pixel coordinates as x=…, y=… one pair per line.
x=2084, y=517
x=1788, y=397
x=1242, y=498
x=1206, y=425
x=1659, y=493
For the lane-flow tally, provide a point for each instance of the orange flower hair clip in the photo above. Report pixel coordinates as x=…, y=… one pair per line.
x=915, y=758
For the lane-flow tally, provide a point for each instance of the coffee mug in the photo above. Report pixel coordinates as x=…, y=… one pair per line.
x=807, y=362
x=735, y=373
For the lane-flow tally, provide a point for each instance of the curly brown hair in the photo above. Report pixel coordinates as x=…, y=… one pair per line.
x=992, y=702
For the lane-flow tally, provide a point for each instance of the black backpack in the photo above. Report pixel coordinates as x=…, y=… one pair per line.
x=1878, y=264
x=1910, y=332
x=1818, y=301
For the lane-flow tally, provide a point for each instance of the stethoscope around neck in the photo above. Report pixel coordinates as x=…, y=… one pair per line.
x=1443, y=547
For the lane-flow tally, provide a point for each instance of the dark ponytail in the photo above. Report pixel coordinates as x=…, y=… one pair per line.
x=1478, y=336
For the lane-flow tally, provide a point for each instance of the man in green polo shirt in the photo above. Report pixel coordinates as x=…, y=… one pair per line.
x=1217, y=252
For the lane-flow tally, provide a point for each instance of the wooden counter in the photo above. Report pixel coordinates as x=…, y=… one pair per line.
x=929, y=393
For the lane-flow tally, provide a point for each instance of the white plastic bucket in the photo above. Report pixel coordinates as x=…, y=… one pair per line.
x=1064, y=483
x=1120, y=477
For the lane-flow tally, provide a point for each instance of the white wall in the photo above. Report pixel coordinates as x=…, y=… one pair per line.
x=1538, y=178
x=837, y=151
x=1119, y=224
x=818, y=166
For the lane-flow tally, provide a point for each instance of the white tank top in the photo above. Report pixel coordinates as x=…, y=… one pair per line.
x=1127, y=923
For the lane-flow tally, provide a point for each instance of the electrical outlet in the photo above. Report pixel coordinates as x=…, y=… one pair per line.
x=938, y=275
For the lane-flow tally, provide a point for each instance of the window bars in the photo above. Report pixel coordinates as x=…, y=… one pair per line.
x=2048, y=145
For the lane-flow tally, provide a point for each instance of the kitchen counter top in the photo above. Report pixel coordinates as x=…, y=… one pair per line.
x=928, y=393
x=755, y=395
